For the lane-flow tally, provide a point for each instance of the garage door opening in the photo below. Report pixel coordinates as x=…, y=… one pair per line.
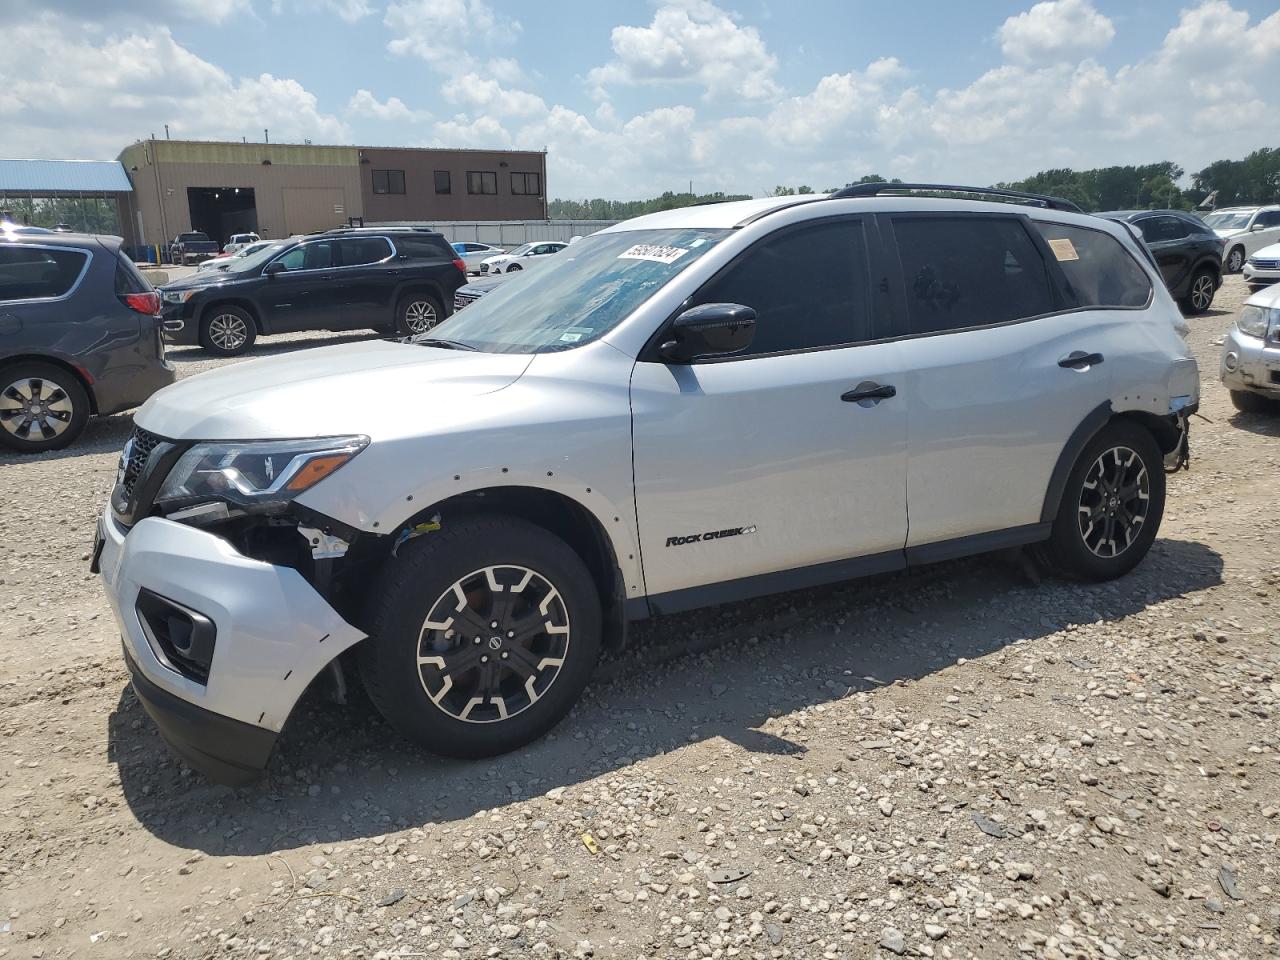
x=222, y=211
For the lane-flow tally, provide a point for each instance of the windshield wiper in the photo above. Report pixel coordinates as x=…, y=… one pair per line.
x=446, y=344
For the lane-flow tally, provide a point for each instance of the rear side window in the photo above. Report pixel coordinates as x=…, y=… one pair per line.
x=128, y=279
x=30, y=273
x=1099, y=271
x=809, y=287
x=360, y=250
x=964, y=272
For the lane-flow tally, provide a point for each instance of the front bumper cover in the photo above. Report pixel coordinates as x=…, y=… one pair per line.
x=1250, y=363
x=274, y=635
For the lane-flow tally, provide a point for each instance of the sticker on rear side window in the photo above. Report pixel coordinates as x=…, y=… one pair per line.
x=654, y=252
x=1063, y=249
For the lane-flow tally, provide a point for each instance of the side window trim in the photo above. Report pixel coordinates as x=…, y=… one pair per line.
x=875, y=294
x=75, y=284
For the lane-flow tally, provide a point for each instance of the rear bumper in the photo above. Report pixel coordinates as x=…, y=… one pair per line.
x=121, y=391
x=224, y=750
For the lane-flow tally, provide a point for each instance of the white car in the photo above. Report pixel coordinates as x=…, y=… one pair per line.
x=1263, y=266
x=695, y=407
x=522, y=257
x=223, y=260
x=239, y=241
x=1250, y=366
x=1245, y=230
x=474, y=253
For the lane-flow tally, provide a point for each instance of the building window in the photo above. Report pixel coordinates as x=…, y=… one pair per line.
x=388, y=181
x=482, y=181
x=443, y=182
x=526, y=184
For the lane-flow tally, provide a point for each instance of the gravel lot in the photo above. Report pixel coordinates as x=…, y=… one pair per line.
x=953, y=762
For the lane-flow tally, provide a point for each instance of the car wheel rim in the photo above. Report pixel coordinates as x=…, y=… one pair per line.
x=1202, y=293
x=420, y=316
x=228, y=332
x=35, y=409
x=493, y=644
x=1114, y=502
x=1236, y=260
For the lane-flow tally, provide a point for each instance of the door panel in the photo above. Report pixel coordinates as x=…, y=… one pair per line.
x=304, y=296
x=364, y=283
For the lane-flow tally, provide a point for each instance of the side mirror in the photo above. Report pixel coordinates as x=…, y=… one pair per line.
x=273, y=268
x=1257, y=226
x=712, y=329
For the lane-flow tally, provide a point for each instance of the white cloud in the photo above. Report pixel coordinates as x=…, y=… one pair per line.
x=365, y=104
x=1055, y=30
x=214, y=11
x=692, y=41
x=440, y=31
x=350, y=10
x=481, y=93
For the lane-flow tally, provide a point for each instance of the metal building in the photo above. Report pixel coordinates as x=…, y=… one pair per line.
x=92, y=196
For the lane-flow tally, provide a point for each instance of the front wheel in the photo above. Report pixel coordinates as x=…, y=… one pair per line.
x=1199, y=296
x=1111, y=506
x=482, y=636
x=1235, y=260
x=227, y=331
x=1246, y=401
x=514, y=268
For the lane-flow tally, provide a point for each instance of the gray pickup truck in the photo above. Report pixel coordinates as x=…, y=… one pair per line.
x=192, y=247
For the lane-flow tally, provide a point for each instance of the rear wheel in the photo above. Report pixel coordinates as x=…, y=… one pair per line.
x=227, y=331
x=1111, y=506
x=1199, y=296
x=42, y=407
x=417, y=313
x=1247, y=401
x=482, y=636
x=1235, y=260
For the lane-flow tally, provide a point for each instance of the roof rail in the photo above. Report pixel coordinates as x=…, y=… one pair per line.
x=876, y=189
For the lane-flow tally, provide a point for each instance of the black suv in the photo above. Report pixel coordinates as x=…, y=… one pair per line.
x=79, y=335
x=387, y=280
x=1188, y=253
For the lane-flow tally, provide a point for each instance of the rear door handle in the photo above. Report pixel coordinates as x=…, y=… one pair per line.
x=1079, y=360
x=868, y=393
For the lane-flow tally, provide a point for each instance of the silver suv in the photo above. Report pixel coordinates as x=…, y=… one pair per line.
x=1251, y=354
x=686, y=409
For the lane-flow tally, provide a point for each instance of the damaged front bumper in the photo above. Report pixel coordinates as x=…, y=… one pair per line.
x=220, y=646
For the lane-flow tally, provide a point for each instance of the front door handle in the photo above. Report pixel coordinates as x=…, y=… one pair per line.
x=868, y=393
x=1079, y=360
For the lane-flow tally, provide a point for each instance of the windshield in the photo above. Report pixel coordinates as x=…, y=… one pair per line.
x=587, y=291
x=521, y=250
x=255, y=260
x=1229, y=221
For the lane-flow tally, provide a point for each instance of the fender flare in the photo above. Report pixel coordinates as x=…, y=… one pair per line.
x=1095, y=420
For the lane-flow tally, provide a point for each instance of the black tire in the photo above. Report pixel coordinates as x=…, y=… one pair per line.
x=420, y=582
x=1200, y=292
x=514, y=268
x=42, y=407
x=1087, y=554
x=418, y=312
x=227, y=331
x=1246, y=401
x=1233, y=262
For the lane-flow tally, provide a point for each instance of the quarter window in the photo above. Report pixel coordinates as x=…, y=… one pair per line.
x=29, y=273
x=444, y=183
x=360, y=250
x=388, y=181
x=1099, y=271
x=526, y=184
x=809, y=287
x=482, y=181
x=962, y=272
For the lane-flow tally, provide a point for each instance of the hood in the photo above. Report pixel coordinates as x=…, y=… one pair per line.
x=377, y=388
x=483, y=285
x=500, y=258
x=1269, y=252
x=1227, y=234
x=1267, y=296
x=202, y=278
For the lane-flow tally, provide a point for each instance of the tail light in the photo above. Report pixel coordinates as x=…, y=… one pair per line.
x=148, y=303
x=461, y=265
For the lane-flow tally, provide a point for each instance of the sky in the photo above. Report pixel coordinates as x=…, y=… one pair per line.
x=631, y=99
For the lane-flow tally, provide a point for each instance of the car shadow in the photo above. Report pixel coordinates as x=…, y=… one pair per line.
x=272, y=347
x=101, y=435
x=1263, y=424
x=341, y=772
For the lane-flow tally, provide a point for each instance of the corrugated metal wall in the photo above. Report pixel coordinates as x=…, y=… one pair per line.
x=512, y=233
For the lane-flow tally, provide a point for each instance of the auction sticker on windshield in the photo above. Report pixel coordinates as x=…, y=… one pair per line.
x=654, y=252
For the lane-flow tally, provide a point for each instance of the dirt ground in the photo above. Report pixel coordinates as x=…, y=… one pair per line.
x=952, y=762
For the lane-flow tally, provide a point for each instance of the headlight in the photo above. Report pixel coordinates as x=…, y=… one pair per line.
x=176, y=296
x=1256, y=320
x=256, y=476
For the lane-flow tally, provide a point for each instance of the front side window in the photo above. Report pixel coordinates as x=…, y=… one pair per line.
x=31, y=273
x=444, y=183
x=808, y=285
x=1099, y=271
x=591, y=288
x=361, y=250
x=388, y=181
x=309, y=256
x=963, y=272
x=482, y=182
x=1270, y=218
x=526, y=184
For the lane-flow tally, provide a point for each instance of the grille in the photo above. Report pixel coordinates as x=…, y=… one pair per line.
x=460, y=300
x=136, y=452
x=1266, y=264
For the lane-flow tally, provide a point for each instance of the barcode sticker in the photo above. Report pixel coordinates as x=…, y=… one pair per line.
x=1063, y=249
x=654, y=252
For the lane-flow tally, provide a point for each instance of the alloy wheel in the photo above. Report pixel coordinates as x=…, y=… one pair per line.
x=227, y=331
x=1114, y=502
x=420, y=316
x=35, y=409
x=1202, y=292
x=1236, y=260
x=493, y=644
